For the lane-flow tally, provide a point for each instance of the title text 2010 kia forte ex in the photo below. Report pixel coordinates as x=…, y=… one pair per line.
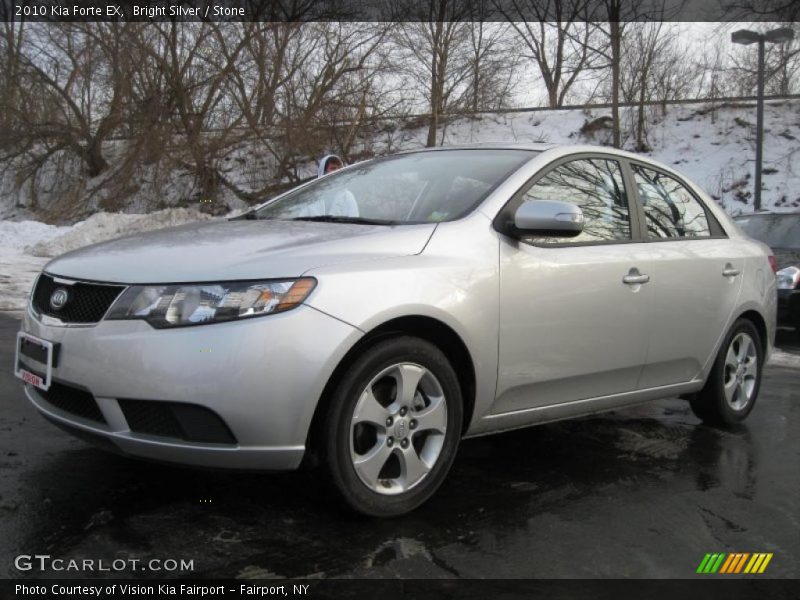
x=374, y=317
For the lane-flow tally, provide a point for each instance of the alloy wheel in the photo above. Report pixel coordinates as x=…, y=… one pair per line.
x=398, y=428
x=741, y=371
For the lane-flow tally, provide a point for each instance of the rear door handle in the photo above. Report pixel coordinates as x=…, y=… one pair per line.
x=634, y=277
x=729, y=271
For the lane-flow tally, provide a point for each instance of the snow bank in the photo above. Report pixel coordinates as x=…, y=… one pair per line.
x=17, y=269
x=16, y=236
x=105, y=226
x=17, y=272
x=26, y=246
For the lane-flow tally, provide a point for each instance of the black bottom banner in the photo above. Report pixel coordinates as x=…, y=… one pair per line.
x=388, y=589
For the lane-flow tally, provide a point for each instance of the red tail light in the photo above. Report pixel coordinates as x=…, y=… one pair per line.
x=773, y=263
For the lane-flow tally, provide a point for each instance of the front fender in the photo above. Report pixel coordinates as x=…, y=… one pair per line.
x=454, y=280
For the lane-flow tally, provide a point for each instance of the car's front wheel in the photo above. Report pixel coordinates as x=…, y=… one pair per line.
x=393, y=426
x=732, y=386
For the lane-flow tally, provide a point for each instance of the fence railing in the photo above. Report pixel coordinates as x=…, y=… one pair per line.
x=721, y=99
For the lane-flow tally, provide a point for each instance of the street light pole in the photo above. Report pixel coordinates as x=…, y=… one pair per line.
x=776, y=36
x=759, y=125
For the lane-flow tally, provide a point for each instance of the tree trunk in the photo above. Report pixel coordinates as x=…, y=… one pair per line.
x=552, y=96
x=641, y=125
x=615, y=65
x=476, y=83
x=641, y=146
x=208, y=180
x=94, y=159
x=433, y=122
x=437, y=70
x=433, y=125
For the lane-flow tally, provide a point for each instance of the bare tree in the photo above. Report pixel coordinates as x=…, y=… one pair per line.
x=437, y=61
x=617, y=17
x=493, y=64
x=78, y=79
x=195, y=61
x=655, y=68
x=11, y=39
x=676, y=71
x=763, y=10
x=607, y=20
x=557, y=40
x=300, y=87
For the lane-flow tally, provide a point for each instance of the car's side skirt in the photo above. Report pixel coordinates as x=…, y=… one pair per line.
x=568, y=410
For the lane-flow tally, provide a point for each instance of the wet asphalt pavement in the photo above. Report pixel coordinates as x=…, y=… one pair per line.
x=641, y=492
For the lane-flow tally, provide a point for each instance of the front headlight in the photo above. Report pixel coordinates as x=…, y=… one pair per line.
x=197, y=304
x=788, y=278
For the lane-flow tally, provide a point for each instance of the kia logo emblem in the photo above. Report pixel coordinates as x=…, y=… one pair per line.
x=59, y=299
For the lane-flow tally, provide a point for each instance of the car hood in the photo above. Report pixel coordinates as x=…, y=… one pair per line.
x=240, y=249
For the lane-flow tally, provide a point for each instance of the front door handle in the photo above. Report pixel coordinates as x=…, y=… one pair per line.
x=730, y=271
x=635, y=278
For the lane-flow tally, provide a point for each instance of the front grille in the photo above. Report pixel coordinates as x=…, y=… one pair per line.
x=177, y=420
x=86, y=302
x=72, y=400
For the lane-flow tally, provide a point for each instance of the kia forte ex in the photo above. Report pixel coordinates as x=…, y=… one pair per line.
x=367, y=321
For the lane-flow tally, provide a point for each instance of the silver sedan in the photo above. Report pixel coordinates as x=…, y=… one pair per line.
x=367, y=321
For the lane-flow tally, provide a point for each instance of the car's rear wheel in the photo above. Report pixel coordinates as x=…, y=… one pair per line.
x=393, y=427
x=732, y=387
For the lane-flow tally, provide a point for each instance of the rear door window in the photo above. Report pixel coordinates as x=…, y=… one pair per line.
x=671, y=210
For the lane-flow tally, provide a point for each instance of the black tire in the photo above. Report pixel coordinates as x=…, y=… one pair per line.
x=711, y=404
x=341, y=435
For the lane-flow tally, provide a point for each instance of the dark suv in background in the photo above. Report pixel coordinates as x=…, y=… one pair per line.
x=781, y=232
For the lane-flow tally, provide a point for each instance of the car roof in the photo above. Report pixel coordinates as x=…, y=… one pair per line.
x=550, y=148
x=535, y=147
x=767, y=214
x=556, y=151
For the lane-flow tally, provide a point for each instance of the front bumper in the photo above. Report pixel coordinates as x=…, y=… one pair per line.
x=263, y=377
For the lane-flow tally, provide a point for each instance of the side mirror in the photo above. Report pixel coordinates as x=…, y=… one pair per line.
x=548, y=217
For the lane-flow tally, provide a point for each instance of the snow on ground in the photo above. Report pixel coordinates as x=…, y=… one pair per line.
x=17, y=267
x=26, y=246
x=17, y=272
x=16, y=236
x=779, y=358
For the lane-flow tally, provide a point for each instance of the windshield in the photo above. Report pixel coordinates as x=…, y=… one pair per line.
x=421, y=187
x=776, y=231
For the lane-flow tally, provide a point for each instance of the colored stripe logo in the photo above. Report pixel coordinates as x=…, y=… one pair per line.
x=735, y=563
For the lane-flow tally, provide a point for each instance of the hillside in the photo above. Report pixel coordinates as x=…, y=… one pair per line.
x=715, y=148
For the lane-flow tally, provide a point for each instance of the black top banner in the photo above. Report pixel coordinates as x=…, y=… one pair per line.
x=400, y=10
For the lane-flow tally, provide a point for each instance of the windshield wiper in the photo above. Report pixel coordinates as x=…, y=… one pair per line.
x=251, y=215
x=343, y=219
